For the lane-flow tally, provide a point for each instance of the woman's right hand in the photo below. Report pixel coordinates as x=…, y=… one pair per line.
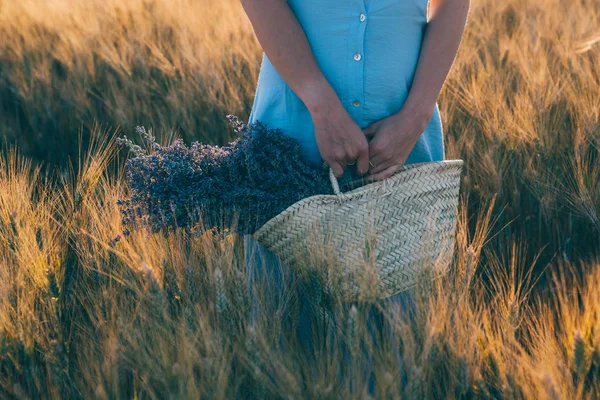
x=340, y=140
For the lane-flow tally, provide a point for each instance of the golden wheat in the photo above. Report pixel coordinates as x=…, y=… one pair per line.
x=155, y=316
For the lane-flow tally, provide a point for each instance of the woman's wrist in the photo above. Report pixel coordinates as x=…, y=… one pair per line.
x=318, y=97
x=419, y=113
x=413, y=115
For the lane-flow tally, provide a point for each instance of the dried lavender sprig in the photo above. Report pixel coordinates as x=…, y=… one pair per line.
x=239, y=186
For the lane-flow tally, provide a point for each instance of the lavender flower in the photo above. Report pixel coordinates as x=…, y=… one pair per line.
x=254, y=178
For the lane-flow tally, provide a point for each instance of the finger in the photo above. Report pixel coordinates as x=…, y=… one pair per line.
x=350, y=159
x=382, y=167
x=379, y=159
x=338, y=169
x=376, y=148
x=369, y=133
x=370, y=130
x=384, y=174
x=379, y=154
x=362, y=166
x=338, y=162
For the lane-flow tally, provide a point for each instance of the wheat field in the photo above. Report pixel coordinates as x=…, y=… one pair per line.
x=153, y=316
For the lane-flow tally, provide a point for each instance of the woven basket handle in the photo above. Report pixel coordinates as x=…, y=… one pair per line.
x=335, y=184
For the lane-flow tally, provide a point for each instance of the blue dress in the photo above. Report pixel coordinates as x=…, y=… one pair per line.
x=368, y=50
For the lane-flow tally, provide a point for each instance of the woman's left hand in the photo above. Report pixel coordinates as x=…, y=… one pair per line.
x=391, y=141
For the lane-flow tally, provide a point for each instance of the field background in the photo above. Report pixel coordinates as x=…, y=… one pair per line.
x=83, y=319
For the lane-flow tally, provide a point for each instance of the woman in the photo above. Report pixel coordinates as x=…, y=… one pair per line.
x=356, y=82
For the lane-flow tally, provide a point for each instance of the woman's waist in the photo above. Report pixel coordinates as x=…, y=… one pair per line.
x=282, y=108
x=374, y=86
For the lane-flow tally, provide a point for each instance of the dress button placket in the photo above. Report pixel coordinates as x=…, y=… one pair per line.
x=358, y=56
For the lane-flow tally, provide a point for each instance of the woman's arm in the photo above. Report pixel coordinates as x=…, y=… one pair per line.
x=442, y=39
x=395, y=136
x=339, y=138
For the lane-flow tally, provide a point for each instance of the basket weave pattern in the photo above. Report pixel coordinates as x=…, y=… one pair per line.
x=398, y=226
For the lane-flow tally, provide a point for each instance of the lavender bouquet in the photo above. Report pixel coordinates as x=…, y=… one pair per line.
x=237, y=187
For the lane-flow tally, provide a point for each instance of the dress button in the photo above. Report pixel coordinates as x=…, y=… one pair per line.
x=363, y=17
x=357, y=57
x=356, y=103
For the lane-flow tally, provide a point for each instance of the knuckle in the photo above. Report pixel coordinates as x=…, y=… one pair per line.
x=386, y=154
x=328, y=159
x=339, y=155
x=377, y=148
x=363, y=148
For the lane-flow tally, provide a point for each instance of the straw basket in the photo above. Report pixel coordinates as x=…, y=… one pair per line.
x=379, y=237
